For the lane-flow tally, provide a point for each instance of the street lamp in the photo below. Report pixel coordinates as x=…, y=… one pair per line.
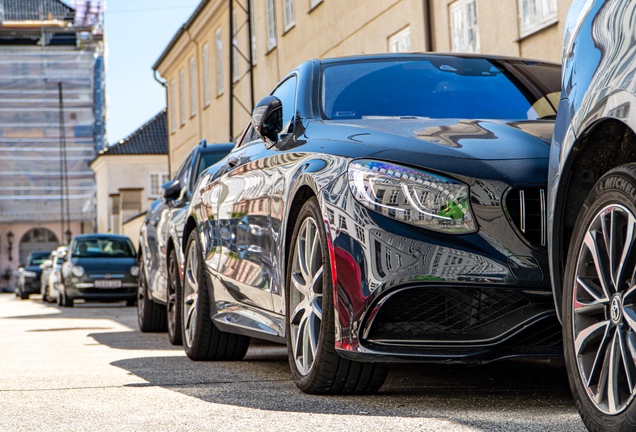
x=10, y=243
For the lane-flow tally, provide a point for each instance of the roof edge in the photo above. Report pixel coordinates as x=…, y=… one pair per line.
x=180, y=32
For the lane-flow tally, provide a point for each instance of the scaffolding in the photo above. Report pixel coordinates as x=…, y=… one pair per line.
x=51, y=110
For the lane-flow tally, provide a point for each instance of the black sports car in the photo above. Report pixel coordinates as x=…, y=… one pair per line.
x=160, y=255
x=100, y=267
x=378, y=209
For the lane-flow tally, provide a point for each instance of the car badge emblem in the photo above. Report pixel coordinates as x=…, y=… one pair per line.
x=615, y=309
x=107, y=276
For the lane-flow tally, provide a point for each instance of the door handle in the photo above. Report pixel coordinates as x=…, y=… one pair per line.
x=232, y=162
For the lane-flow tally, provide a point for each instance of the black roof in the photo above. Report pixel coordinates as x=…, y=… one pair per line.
x=29, y=10
x=150, y=138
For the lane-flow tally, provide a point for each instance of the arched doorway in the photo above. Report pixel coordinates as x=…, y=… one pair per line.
x=35, y=240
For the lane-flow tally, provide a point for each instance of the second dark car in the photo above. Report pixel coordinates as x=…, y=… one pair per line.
x=100, y=267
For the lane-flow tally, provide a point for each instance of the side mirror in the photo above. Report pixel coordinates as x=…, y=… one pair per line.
x=267, y=118
x=170, y=191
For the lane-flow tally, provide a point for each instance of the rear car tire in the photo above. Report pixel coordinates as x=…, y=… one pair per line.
x=150, y=315
x=202, y=340
x=316, y=366
x=173, y=306
x=63, y=300
x=599, y=304
x=24, y=296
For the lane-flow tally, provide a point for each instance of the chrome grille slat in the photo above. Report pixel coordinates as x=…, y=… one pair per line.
x=527, y=209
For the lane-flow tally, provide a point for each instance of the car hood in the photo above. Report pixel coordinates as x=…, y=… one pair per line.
x=466, y=139
x=35, y=269
x=108, y=265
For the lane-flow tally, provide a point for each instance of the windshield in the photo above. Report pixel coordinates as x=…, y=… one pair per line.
x=440, y=87
x=35, y=259
x=104, y=248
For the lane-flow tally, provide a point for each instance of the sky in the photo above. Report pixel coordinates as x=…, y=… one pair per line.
x=137, y=32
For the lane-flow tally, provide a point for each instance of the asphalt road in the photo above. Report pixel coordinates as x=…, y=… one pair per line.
x=90, y=369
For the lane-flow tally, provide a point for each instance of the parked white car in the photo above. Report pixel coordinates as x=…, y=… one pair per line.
x=50, y=284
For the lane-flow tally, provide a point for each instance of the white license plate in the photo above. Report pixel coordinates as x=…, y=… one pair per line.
x=107, y=284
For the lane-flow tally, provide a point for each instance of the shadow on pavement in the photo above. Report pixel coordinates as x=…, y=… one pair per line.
x=452, y=392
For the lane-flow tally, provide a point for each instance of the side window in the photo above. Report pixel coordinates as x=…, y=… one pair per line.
x=286, y=92
x=183, y=172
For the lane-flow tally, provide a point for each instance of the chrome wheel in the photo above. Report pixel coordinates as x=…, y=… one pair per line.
x=306, y=304
x=190, y=293
x=604, y=310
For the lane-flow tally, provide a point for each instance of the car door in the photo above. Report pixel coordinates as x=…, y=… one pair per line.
x=246, y=203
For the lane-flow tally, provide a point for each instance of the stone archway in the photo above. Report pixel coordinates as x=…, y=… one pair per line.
x=35, y=240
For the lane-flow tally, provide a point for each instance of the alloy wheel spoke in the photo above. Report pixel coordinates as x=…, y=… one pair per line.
x=587, y=286
x=302, y=263
x=625, y=358
x=629, y=292
x=599, y=360
x=612, y=379
x=316, y=278
x=588, y=335
x=589, y=308
x=313, y=335
x=627, y=250
x=299, y=312
x=316, y=306
x=299, y=284
x=630, y=316
x=592, y=245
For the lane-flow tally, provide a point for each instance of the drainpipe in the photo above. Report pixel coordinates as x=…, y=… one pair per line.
x=428, y=27
x=154, y=75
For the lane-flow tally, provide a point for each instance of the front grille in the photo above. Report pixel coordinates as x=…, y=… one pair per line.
x=526, y=207
x=453, y=314
x=107, y=291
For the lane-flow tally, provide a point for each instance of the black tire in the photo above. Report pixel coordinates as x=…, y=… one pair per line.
x=202, y=340
x=329, y=373
x=63, y=300
x=613, y=197
x=173, y=306
x=24, y=296
x=131, y=303
x=150, y=315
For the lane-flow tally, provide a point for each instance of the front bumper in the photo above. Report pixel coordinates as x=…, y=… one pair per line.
x=404, y=293
x=84, y=288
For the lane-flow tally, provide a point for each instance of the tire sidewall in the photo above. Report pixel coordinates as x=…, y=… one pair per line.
x=310, y=209
x=606, y=191
x=191, y=239
x=141, y=303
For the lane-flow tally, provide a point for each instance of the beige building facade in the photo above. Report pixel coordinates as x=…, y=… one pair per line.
x=196, y=64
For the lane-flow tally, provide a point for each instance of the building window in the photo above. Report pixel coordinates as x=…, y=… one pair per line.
x=173, y=107
x=314, y=3
x=253, y=24
x=401, y=41
x=235, y=63
x=156, y=180
x=288, y=14
x=219, y=63
x=534, y=14
x=271, y=25
x=464, y=26
x=193, y=98
x=182, y=96
x=206, y=75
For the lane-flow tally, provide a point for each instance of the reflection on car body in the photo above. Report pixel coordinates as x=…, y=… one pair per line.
x=379, y=209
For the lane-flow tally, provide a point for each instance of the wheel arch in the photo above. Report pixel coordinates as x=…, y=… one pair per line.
x=301, y=196
x=604, y=145
x=190, y=225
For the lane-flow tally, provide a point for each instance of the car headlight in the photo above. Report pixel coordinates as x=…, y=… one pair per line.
x=78, y=271
x=29, y=274
x=134, y=270
x=412, y=196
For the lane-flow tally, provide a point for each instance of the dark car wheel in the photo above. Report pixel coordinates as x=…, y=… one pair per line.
x=63, y=300
x=316, y=366
x=599, y=304
x=202, y=340
x=173, y=307
x=150, y=315
x=22, y=295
